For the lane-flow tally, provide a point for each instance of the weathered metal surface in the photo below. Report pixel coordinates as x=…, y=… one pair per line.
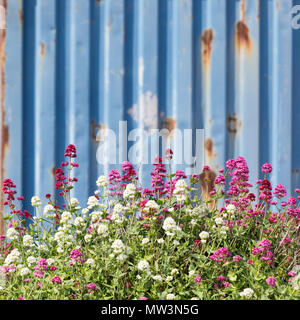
x=71, y=67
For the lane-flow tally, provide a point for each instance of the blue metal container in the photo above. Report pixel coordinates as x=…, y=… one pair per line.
x=71, y=67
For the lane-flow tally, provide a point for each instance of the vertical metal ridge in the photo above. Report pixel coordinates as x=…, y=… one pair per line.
x=28, y=97
x=45, y=97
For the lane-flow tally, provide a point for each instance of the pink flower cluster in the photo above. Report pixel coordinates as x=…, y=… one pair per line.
x=220, y=255
x=263, y=249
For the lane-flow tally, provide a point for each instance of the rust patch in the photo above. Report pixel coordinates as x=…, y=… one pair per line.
x=169, y=123
x=277, y=4
x=21, y=17
x=242, y=36
x=209, y=149
x=43, y=49
x=98, y=1
x=243, y=10
x=4, y=127
x=233, y=124
x=207, y=183
x=52, y=171
x=95, y=127
x=207, y=40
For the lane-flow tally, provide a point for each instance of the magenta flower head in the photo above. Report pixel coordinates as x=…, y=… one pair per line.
x=271, y=281
x=142, y=298
x=206, y=168
x=43, y=264
x=197, y=280
x=279, y=191
x=266, y=168
x=75, y=254
x=92, y=286
x=169, y=154
x=220, y=179
x=292, y=273
x=56, y=279
x=230, y=164
x=70, y=151
x=237, y=258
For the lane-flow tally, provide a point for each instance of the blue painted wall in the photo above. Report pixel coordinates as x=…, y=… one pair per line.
x=70, y=67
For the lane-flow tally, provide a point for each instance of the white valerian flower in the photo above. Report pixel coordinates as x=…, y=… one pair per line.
x=169, y=278
x=192, y=273
x=129, y=192
x=79, y=222
x=12, y=234
x=231, y=209
x=247, y=293
x=170, y=225
x=36, y=201
x=88, y=237
x=31, y=260
x=90, y=262
x=180, y=191
x=151, y=205
x=193, y=222
x=48, y=209
x=111, y=255
x=43, y=247
x=218, y=220
x=118, y=246
x=95, y=216
x=157, y=278
x=102, y=181
x=122, y=257
x=145, y=240
x=65, y=217
x=12, y=257
x=174, y=271
x=92, y=202
x=170, y=296
x=143, y=265
x=176, y=243
x=138, y=277
x=102, y=229
x=50, y=261
x=160, y=241
x=74, y=202
x=118, y=208
x=85, y=211
x=117, y=216
x=28, y=241
x=24, y=271
x=198, y=211
x=194, y=298
x=60, y=250
x=204, y=235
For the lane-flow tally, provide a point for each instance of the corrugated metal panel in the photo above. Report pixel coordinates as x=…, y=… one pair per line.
x=70, y=67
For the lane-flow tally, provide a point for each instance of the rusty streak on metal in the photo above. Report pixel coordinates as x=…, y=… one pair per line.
x=206, y=40
x=207, y=183
x=243, y=10
x=96, y=126
x=277, y=4
x=209, y=149
x=43, y=49
x=21, y=17
x=4, y=127
x=242, y=36
x=169, y=123
x=233, y=125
